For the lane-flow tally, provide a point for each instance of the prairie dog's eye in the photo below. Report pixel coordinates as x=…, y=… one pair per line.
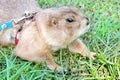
x=69, y=20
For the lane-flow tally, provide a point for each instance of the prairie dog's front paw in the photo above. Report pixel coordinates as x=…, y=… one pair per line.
x=93, y=55
x=59, y=68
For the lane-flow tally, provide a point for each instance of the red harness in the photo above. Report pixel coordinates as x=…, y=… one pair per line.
x=17, y=37
x=18, y=34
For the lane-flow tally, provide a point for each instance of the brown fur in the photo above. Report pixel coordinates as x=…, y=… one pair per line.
x=51, y=32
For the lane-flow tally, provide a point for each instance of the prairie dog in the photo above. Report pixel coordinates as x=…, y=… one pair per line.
x=53, y=29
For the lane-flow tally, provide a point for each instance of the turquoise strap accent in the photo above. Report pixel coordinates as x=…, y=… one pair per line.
x=0, y=26
x=7, y=25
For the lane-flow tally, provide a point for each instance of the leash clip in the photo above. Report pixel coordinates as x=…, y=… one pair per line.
x=27, y=15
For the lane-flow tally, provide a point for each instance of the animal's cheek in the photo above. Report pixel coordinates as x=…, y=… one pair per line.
x=76, y=25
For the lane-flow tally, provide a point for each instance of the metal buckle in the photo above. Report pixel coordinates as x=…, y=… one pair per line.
x=27, y=15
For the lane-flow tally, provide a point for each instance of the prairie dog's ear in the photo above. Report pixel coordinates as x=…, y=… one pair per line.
x=54, y=22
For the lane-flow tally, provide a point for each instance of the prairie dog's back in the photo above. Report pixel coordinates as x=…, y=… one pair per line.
x=10, y=9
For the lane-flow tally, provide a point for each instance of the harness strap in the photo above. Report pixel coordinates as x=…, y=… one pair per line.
x=9, y=24
x=17, y=37
x=6, y=25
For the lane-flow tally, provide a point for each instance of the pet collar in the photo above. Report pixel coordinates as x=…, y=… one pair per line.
x=6, y=25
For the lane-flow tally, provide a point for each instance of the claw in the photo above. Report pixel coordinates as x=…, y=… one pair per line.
x=66, y=72
x=93, y=55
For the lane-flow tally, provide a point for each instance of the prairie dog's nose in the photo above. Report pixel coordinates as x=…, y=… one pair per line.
x=87, y=20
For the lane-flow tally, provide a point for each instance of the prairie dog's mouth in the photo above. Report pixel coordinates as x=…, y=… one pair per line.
x=86, y=28
x=83, y=30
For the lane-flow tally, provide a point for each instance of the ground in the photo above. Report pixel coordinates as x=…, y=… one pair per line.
x=103, y=38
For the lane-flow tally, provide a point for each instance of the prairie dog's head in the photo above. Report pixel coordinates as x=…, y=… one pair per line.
x=61, y=25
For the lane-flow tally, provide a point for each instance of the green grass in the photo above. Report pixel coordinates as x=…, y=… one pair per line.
x=102, y=38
